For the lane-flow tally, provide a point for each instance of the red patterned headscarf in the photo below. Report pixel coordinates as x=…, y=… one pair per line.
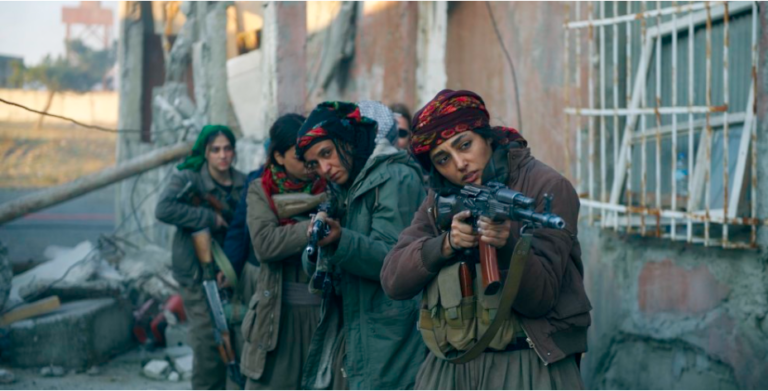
x=448, y=114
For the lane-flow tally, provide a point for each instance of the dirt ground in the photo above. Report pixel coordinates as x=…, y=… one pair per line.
x=51, y=156
x=122, y=373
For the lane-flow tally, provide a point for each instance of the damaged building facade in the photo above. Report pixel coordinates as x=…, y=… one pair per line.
x=674, y=307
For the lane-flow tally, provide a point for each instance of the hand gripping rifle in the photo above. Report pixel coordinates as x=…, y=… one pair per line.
x=202, y=242
x=496, y=202
x=191, y=195
x=320, y=229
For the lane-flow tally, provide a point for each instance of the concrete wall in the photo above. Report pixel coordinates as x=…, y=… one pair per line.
x=532, y=33
x=96, y=107
x=384, y=63
x=674, y=316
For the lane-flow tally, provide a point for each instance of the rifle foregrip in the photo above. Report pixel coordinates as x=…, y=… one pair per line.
x=489, y=266
x=465, y=278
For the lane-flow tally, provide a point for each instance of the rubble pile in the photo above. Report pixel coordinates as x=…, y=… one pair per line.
x=89, y=303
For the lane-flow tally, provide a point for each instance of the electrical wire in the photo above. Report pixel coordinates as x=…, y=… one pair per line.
x=84, y=125
x=511, y=65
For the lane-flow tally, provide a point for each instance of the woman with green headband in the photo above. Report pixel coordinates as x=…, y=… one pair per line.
x=206, y=172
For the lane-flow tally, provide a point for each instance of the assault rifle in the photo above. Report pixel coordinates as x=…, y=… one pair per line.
x=320, y=229
x=191, y=195
x=496, y=202
x=202, y=242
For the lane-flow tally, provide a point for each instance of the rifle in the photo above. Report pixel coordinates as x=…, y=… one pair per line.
x=202, y=242
x=320, y=229
x=496, y=202
x=191, y=195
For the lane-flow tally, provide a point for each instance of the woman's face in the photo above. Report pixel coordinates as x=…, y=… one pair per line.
x=220, y=153
x=462, y=158
x=293, y=166
x=323, y=159
x=403, y=133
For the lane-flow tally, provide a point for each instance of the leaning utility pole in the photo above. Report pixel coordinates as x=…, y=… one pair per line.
x=45, y=198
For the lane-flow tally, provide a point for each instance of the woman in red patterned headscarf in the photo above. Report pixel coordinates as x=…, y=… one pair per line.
x=539, y=343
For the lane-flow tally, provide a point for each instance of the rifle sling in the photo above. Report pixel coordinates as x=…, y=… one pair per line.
x=508, y=295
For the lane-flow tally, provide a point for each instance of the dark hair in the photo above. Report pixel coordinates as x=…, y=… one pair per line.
x=484, y=132
x=283, y=133
x=402, y=109
x=211, y=137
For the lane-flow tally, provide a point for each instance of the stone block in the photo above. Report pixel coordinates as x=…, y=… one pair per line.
x=183, y=365
x=156, y=369
x=78, y=335
x=176, y=335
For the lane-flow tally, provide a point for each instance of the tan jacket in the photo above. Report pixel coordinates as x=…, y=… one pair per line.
x=552, y=305
x=273, y=245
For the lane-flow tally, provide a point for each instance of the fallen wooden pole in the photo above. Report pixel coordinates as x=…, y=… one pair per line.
x=31, y=310
x=12, y=210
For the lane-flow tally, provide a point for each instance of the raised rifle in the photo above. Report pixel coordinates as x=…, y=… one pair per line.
x=202, y=242
x=320, y=229
x=496, y=202
x=191, y=195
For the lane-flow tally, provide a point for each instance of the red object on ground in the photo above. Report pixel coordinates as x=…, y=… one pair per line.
x=176, y=306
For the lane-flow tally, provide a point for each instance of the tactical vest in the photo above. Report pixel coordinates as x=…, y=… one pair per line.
x=449, y=322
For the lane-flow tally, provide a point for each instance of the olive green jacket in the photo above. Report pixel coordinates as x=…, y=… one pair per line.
x=383, y=346
x=188, y=218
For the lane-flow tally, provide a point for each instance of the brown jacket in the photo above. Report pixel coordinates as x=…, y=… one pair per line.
x=273, y=245
x=552, y=304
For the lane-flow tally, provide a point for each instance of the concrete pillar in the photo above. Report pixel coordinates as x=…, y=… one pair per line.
x=430, y=53
x=130, y=58
x=216, y=64
x=285, y=33
x=761, y=99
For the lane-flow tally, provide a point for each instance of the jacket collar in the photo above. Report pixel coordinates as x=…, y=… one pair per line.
x=209, y=184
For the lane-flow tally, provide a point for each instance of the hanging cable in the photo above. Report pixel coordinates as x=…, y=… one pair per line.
x=511, y=65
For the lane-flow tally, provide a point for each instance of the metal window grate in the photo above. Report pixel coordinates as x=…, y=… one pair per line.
x=665, y=143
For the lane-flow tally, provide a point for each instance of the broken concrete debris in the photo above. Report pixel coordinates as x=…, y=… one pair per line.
x=6, y=275
x=174, y=376
x=79, y=334
x=6, y=376
x=52, y=371
x=183, y=365
x=157, y=369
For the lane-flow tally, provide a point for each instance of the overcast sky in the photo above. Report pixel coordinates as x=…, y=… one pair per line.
x=31, y=29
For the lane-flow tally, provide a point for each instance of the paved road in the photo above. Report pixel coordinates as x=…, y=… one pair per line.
x=66, y=224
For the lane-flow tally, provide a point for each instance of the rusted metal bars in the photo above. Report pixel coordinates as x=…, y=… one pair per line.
x=643, y=141
x=628, y=85
x=726, y=181
x=658, y=120
x=708, y=141
x=691, y=92
x=591, y=120
x=603, y=158
x=615, y=82
x=673, y=224
x=753, y=127
x=577, y=121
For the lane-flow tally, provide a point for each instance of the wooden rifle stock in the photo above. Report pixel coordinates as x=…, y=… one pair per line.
x=225, y=349
x=465, y=279
x=489, y=267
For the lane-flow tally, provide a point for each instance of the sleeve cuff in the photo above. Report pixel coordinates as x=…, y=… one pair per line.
x=432, y=253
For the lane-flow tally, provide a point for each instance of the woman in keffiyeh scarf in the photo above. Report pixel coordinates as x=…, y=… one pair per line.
x=279, y=206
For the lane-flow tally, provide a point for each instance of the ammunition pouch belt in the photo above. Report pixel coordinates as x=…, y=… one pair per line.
x=457, y=329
